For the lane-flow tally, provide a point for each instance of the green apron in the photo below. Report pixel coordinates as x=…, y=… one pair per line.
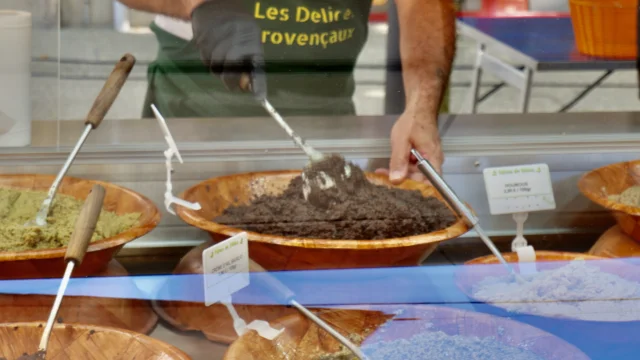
x=310, y=48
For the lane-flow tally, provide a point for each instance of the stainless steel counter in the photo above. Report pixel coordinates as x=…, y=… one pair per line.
x=129, y=153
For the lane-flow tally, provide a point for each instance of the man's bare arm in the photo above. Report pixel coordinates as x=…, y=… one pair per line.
x=427, y=47
x=180, y=9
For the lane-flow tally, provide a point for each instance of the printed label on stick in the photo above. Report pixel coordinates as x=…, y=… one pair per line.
x=522, y=188
x=226, y=268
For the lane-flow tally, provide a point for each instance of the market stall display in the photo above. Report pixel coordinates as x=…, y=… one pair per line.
x=393, y=329
x=86, y=342
x=392, y=226
x=293, y=253
x=46, y=263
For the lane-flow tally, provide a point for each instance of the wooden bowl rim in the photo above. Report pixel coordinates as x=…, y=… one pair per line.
x=479, y=260
x=465, y=314
x=111, y=242
x=604, y=201
x=167, y=348
x=191, y=217
x=460, y=274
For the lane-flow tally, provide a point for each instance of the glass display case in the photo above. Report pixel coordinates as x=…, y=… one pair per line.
x=210, y=234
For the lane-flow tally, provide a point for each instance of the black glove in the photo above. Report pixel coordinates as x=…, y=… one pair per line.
x=228, y=38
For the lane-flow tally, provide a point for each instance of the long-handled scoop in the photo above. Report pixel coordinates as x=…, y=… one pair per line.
x=313, y=154
x=84, y=228
x=100, y=107
x=278, y=288
x=320, y=180
x=463, y=210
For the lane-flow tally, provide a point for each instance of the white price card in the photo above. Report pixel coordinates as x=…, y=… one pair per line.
x=521, y=188
x=225, y=268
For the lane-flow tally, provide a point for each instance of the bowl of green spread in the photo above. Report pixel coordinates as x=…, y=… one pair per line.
x=37, y=252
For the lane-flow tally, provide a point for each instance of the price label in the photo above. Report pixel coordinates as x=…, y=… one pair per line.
x=225, y=268
x=522, y=188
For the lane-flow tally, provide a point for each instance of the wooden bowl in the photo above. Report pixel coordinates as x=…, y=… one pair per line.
x=615, y=244
x=213, y=321
x=302, y=339
x=468, y=276
x=288, y=253
x=48, y=263
x=597, y=185
x=129, y=314
x=621, y=336
x=85, y=342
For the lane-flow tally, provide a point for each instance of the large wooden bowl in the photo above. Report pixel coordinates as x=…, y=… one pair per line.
x=288, y=253
x=620, y=335
x=131, y=314
x=214, y=321
x=468, y=276
x=48, y=263
x=303, y=340
x=615, y=244
x=85, y=342
x=597, y=185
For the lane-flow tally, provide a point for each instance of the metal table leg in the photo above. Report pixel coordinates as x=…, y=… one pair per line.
x=394, y=84
x=476, y=78
x=525, y=92
x=586, y=91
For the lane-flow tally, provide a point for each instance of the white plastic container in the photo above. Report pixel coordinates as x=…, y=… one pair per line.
x=15, y=78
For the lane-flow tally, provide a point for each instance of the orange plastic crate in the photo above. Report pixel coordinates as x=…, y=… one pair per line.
x=605, y=28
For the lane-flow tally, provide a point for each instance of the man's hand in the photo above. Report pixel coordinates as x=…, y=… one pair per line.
x=229, y=40
x=427, y=46
x=413, y=130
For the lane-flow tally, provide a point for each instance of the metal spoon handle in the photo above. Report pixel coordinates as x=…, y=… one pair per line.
x=452, y=198
x=312, y=153
x=447, y=192
x=284, y=293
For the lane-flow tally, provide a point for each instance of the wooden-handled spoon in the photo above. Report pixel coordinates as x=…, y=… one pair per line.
x=80, y=238
x=313, y=154
x=318, y=179
x=100, y=107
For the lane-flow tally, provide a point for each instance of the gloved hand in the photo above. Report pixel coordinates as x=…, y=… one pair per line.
x=228, y=38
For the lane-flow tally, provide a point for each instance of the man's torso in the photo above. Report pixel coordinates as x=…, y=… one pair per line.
x=310, y=50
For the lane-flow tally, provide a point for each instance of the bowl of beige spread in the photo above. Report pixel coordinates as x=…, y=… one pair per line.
x=616, y=187
x=32, y=251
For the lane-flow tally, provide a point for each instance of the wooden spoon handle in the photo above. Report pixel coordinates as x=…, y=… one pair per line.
x=110, y=90
x=85, y=225
x=279, y=289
